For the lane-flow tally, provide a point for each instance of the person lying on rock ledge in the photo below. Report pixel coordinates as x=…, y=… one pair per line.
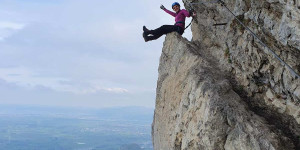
x=179, y=26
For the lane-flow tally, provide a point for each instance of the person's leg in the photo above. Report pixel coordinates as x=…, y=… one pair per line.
x=180, y=30
x=160, y=31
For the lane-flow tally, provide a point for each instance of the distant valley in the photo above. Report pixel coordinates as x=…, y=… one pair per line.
x=49, y=128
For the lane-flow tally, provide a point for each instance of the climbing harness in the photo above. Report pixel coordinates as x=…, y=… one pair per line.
x=178, y=30
x=179, y=22
x=184, y=24
x=189, y=24
x=253, y=34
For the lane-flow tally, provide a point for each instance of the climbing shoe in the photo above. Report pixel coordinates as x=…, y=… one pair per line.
x=145, y=29
x=145, y=37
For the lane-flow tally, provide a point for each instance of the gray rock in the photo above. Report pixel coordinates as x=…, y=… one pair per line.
x=196, y=107
x=276, y=22
x=223, y=90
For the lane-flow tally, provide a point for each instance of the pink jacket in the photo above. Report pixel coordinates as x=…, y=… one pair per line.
x=179, y=17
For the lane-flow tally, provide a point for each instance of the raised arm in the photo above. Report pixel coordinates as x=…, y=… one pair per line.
x=168, y=11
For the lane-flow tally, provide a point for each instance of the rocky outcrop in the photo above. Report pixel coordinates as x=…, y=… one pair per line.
x=277, y=23
x=223, y=90
x=197, y=108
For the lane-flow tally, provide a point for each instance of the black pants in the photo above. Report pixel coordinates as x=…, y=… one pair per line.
x=163, y=30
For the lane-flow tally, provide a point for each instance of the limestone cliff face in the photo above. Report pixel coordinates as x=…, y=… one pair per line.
x=223, y=90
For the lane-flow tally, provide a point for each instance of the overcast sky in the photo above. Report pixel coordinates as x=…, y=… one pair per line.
x=86, y=53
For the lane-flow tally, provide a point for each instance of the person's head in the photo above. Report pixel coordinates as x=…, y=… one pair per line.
x=176, y=6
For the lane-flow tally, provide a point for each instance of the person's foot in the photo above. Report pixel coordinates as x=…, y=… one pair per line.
x=145, y=37
x=145, y=29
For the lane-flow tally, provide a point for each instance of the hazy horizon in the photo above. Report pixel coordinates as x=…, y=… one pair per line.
x=49, y=128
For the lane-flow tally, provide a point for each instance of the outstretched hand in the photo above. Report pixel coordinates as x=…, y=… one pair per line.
x=194, y=14
x=162, y=7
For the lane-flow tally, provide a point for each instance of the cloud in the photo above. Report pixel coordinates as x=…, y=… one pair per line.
x=116, y=90
x=26, y=78
x=84, y=48
x=11, y=25
x=9, y=28
x=94, y=90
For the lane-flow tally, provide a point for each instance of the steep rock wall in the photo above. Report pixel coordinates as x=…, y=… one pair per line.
x=197, y=108
x=277, y=23
x=223, y=90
